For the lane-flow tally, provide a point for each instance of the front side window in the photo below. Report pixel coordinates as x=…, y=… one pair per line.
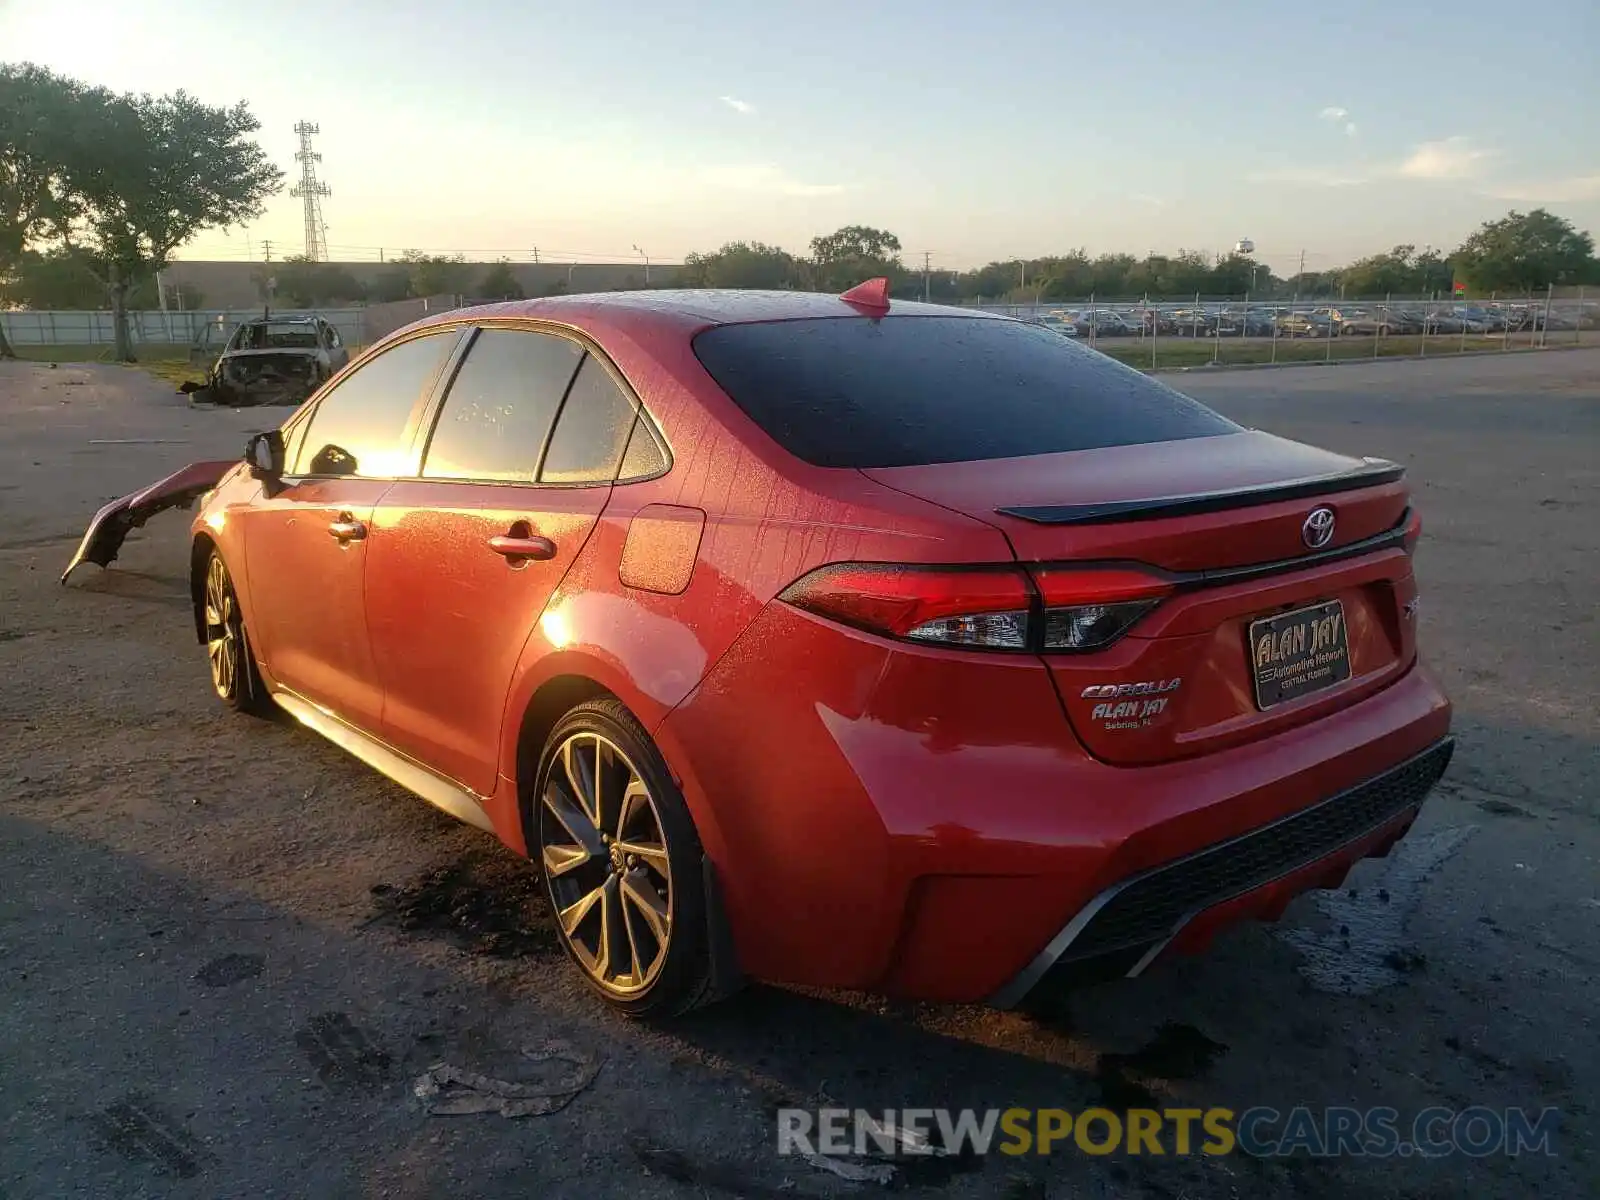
x=359, y=427
x=495, y=419
x=593, y=429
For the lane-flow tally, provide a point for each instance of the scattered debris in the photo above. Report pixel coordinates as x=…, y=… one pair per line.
x=1502, y=808
x=1364, y=951
x=1405, y=961
x=230, y=969
x=1177, y=1051
x=448, y=1091
x=138, y=441
x=489, y=902
x=141, y=1130
x=343, y=1056
x=707, y=1175
x=855, y=1172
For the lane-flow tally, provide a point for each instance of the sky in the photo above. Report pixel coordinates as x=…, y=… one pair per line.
x=617, y=129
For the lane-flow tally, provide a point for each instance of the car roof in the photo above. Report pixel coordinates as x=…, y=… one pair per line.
x=688, y=309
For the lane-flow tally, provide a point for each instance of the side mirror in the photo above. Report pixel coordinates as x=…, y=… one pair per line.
x=264, y=453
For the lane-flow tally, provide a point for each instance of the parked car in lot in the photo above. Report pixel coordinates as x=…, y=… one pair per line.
x=1102, y=322
x=828, y=641
x=1305, y=324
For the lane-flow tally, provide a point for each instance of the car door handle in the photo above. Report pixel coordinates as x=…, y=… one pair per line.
x=347, y=529
x=528, y=546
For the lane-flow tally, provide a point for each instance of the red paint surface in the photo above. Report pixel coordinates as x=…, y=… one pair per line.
x=910, y=818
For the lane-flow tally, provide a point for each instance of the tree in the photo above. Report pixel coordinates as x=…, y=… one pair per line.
x=56, y=279
x=847, y=256
x=500, y=283
x=131, y=178
x=302, y=283
x=1524, y=253
x=436, y=274
x=36, y=126
x=389, y=284
x=743, y=265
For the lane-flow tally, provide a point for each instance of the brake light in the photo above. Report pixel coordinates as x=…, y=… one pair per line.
x=1089, y=608
x=984, y=607
x=1413, y=531
x=996, y=608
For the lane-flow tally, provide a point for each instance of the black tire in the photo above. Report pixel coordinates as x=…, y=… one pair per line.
x=603, y=882
x=234, y=675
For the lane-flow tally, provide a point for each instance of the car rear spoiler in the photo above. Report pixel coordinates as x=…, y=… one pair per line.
x=1371, y=473
x=112, y=524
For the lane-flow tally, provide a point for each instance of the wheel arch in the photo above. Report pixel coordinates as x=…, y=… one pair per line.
x=200, y=550
x=551, y=701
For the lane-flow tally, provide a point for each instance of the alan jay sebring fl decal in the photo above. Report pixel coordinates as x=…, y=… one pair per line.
x=1130, y=705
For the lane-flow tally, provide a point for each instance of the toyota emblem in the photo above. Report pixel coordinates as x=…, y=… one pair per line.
x=1317, y=531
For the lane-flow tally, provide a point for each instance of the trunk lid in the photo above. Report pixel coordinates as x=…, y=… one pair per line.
x=1225, y=520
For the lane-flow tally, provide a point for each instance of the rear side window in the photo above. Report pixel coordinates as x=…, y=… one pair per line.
x=592, y=432
x=905, y=391
x=358, y=428
x=494, y=421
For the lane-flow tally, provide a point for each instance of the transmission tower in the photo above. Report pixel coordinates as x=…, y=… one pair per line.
x=311, y=190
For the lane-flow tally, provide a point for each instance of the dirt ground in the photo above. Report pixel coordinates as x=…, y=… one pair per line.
x=227, y=950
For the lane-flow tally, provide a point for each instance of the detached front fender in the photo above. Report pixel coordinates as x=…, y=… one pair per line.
x=112, y=524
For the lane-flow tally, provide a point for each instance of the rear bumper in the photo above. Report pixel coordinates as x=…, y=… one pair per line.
x=1179, y=906
x=896, y=820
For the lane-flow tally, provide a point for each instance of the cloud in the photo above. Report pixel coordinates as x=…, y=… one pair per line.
x=1452, y=158
x=1557, y=191
x=769, y=180
x=1147, y=198
x=743, y=107
x=1335, y=115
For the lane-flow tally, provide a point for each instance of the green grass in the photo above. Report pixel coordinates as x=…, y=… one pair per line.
x=1190, y=352
x=169, y=362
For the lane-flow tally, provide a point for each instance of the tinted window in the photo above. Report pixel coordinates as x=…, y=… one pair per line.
x=494, y=421
x=592, y=430
x=358, y=426
x=849, y=392
x=644, y=457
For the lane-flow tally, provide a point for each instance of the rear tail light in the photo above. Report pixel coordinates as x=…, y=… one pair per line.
x=994, y=608
x=986, y=606
x=1088, y=608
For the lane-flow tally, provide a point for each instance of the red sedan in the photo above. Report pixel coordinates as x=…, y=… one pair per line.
x=823, y=640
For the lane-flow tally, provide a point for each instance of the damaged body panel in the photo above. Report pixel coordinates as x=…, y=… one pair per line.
x=271, y=360
x=112, y=524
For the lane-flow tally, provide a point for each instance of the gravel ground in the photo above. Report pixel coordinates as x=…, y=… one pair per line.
x=227, y=950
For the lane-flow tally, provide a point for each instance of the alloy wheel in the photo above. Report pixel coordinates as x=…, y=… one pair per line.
x=606, y=864
x=224, y=632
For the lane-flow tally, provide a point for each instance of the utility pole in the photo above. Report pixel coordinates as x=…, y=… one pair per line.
x=266, y=245
x=926, y=256
x=311, y=190
x=646, y=258
x=536, y=256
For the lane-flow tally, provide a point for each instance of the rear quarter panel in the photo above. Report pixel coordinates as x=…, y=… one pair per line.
x=768, y=519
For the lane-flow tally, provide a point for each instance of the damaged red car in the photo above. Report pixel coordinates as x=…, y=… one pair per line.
x=826, y=640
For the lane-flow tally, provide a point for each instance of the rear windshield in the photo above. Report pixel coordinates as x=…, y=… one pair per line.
x=904, y=391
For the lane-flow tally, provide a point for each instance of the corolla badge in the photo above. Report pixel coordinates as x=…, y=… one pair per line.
x=1317, y=531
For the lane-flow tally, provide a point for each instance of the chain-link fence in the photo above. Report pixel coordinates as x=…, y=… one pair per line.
x=154, y=328
x=1204, y=330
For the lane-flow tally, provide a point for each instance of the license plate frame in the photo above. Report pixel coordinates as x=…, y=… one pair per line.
x=1288, y=669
